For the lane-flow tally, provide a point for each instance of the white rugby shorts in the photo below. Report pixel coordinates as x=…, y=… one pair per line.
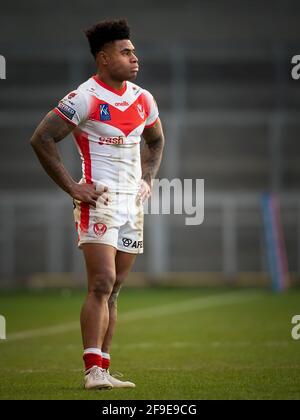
x=120, y=224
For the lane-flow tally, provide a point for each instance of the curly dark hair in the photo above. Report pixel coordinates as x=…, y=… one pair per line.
x=106, y=31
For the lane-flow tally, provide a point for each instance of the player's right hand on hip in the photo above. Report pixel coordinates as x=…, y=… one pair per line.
x=90, y=193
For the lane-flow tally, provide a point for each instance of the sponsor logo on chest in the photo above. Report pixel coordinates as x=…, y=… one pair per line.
x=104, y=112
x=111, y=140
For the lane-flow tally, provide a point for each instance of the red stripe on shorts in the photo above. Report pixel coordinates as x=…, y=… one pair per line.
x=83, y=143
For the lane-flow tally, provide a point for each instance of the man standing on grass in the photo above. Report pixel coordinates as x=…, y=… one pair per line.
x=107, y=116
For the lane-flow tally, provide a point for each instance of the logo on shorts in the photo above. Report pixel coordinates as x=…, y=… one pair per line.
x=100, y=229
x=132, y=244
x=126, y=242
x=104, y=112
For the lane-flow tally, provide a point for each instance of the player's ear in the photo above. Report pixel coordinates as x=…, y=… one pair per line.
x=102, y=58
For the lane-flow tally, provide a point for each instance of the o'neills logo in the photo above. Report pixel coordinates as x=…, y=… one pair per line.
x=124, y=103
x=100, y=229
x=111, y=140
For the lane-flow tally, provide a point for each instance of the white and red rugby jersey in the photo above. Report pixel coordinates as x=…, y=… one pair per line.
x=108, y=128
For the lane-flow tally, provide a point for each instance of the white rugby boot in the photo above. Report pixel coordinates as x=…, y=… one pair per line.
x=97, y=379
x=116, y=383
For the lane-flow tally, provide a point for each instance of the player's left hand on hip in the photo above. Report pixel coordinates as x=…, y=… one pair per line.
x=103, y=190
x=144, y=191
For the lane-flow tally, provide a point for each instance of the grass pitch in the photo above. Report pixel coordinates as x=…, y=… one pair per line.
x=173, y=343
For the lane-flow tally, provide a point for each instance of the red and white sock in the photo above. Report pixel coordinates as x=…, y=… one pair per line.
x=105, y=361
x=92, y=357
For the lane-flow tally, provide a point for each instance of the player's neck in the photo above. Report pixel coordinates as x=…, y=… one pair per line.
x=115, y=84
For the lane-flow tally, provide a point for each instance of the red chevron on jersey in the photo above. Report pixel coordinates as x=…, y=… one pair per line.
x=127, y=120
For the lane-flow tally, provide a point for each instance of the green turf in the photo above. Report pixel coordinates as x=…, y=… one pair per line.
x=239, y=349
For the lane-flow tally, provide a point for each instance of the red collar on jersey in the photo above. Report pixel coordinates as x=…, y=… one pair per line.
x=105, y=86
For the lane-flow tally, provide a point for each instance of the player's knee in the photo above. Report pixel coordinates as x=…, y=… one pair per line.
x=114, y=295
x=102, y=285
x=120, y=278
x=116, y=290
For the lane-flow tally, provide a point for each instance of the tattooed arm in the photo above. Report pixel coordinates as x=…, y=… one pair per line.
x=50, y=131
x=151, y=157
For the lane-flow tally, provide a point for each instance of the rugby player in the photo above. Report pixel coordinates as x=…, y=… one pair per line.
x=107, y=116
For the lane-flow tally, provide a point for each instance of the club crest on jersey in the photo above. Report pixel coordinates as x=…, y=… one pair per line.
x=141, y=111
x=104, y=112
x=71, y=95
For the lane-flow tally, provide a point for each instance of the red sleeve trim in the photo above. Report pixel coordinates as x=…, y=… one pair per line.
x=152, y=124
x=61, y=115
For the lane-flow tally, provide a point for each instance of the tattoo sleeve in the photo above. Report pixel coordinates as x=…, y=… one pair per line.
x=152, y=151
x=51, y=130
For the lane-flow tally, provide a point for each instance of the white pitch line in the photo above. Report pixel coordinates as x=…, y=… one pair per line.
x=202, y=345
x=189, y=305
x=153, y=312
x=39, y=332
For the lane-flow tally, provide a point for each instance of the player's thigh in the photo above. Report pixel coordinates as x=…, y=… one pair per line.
x=100, y=263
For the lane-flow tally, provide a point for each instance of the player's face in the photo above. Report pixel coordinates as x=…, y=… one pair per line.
x=122, y=62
